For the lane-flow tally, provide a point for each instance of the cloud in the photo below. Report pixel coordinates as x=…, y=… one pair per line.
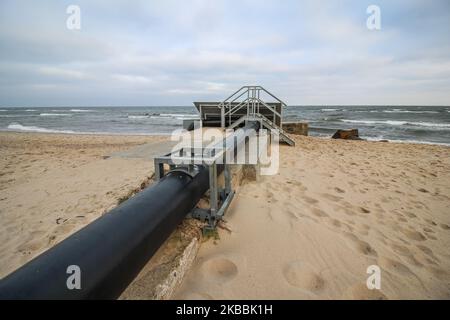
x=173, y=52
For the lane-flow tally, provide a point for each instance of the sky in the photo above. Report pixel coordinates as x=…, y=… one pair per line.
x=150, y=53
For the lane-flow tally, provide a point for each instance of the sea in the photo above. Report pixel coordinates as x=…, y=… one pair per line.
x=419, y=124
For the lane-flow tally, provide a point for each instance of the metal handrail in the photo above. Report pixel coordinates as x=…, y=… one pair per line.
x=270, y=94
x=233, y=109
x=269, y=107
x=225, y=101
x=252, y=102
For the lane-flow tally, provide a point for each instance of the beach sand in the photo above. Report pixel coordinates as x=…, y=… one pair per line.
x=335, y=208
x=53, y=185
x=309, y=232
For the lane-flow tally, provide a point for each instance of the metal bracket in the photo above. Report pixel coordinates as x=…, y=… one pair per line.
x=188, y=160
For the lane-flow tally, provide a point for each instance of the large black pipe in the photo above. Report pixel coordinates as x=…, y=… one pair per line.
x=112, y=250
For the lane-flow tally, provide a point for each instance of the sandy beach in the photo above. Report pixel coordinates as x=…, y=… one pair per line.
x=53, y=185
x=335, y=208
x=309, y=232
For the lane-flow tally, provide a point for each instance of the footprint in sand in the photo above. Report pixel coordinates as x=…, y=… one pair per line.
x=427, y=251
x=413, y=235
x=410, y=214
x=431, y=222
x=336, y=223
x=445, y=226
x=220, y=269
x=331, y=197
x=401, y=250
x=439, y=273
x=428, y=230
x=310, y=200
x=359, y=245
x=319, y=213
x=361, y=292
x=346, y=208
x=299, y=186
x=364, y=210
x=394, y=266
x=302, y=275
x=339, y=190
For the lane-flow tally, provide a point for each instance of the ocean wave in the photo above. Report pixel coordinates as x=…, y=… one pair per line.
x=55, y=114
x=407, y=111
x=3, y=110
x=187, y=118
x=30, y=110
x=138, y=117
x=176, y=115
x=81, y=110
x=14, y=115
x=430, y=124
x=391, y=122
x=329, y=110
x=18, y=126
x=400, y=123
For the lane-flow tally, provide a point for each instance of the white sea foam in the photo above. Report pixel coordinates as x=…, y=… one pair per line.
x=55, y=114
x=30, y=110
x=18, y=126
x=187, y=118
x=81, y=110
x=390, y=122
x=329, y=110
x=400, y=123
x=430, y=124
x=408, y=111
x=138, y=117
x=177, y=115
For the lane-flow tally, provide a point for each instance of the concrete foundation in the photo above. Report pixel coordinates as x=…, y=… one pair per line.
x=299, y=128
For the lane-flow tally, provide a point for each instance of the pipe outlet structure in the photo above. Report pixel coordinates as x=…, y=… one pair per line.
x=100, y=260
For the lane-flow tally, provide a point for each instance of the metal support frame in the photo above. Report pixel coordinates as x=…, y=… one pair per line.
x=188, y=160
x=248, y=97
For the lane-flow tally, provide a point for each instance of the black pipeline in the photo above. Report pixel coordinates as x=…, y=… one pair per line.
x=110, y=252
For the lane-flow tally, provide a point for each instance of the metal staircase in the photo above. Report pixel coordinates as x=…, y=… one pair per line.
x=250, y=98
x=265, y=123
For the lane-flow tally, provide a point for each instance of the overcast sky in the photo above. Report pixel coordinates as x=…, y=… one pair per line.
x=175, y=52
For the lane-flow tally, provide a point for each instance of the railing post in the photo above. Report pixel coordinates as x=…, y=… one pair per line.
x=213, y=189
x=222, y=117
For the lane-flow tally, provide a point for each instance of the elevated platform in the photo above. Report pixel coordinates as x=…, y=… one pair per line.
x=249, y=103
x=210, y=113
